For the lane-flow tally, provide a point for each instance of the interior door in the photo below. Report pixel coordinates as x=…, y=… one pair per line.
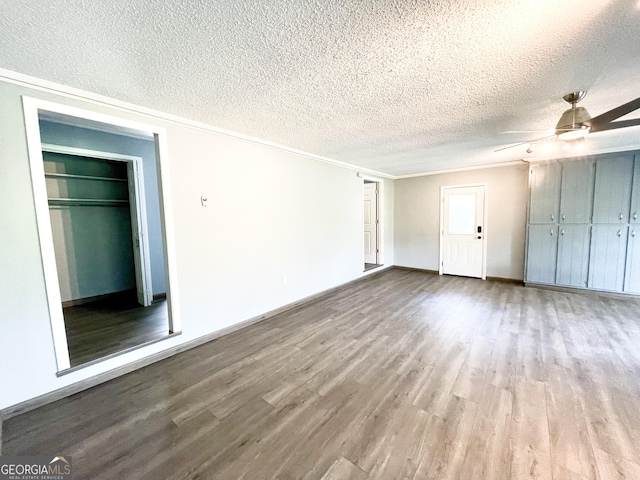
x=140, y=242
x=370, y=223
x=463, y=234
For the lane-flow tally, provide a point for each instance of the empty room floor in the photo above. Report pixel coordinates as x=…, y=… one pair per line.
x=403, y=375
x=101, y=328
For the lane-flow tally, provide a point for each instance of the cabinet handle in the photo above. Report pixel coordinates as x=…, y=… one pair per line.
x=551, y=232
x=621, y=216
x=633, y=233
x=619, y=233
x=564, y=216
x=562, y=232
x=552, y=217
x=635, y=216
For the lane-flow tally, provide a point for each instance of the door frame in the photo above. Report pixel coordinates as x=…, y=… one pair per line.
x=443, y=188
x=32, y=108
x=380, y=214
x=139, y=228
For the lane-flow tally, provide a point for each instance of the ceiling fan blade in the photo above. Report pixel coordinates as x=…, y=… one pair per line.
x=615, y=125
x=524, y=143
x=528, y=131
x=597, y=123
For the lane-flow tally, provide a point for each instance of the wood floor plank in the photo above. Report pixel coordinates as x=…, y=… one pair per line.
x=405, y=375
x=488, y=454
x=343, y=469
x=531, y=451
x=571, y=447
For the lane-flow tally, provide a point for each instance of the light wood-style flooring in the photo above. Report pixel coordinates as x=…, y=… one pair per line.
x=405, y=375
x=104, y=327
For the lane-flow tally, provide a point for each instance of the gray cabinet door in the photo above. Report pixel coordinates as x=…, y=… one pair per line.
x=612, y=193
x=573, y=255
x=544, y=200
x=608, y=257
x=576, y=198
x=542, y=247
x=632, y=273
x=635, y=195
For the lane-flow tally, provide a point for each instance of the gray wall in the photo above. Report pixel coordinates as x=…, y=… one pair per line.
x=73, y=136
x=417, y=218
x=271, y=213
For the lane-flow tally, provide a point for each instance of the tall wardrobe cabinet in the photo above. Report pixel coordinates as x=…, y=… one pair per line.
x=584, y=226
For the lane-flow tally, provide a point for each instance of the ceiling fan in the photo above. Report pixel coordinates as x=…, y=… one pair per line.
x=575, y=123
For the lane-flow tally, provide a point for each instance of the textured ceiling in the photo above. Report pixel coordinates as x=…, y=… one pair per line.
x=397, y=86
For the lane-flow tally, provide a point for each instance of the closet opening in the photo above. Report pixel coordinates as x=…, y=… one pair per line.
x=99, y=195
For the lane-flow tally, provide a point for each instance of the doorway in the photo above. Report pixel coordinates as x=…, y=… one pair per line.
x=372, y=257
x=104, y=231
x=462, y=227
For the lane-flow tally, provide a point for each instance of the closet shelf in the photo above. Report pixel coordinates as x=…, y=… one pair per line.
x=95, y=202
x=84, y=177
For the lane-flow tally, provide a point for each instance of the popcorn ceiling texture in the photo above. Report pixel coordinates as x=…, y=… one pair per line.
x=391, y=85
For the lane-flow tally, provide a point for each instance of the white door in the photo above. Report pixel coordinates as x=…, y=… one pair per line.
x=138, y=235
x=463, y=234
x=370, y=223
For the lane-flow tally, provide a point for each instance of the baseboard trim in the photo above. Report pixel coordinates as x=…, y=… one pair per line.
x=436, y=272
x=98, y=298
x=42, y=400
x=513, y=281
x=412, y=269
x=159, y=297
x=583, y=291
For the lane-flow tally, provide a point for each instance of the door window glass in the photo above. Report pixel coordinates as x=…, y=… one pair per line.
x=462, y=214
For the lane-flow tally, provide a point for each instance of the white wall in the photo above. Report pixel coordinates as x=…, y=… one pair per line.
x=417, y=218
x=271, y=213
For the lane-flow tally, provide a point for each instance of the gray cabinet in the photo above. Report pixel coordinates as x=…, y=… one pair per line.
x=607, y=257
x=541, y=253
x=584, y=223
x=632, y=272
x=576, y=194
x=544, y=184
x=612, y=192
x=573, y=255
x=635, y=194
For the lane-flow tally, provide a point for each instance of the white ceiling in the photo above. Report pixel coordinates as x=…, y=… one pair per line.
x=397, y=86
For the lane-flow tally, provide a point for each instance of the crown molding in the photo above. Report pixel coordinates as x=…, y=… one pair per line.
x=16, y=78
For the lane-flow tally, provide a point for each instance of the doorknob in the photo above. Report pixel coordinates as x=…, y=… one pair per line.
x=478, y=236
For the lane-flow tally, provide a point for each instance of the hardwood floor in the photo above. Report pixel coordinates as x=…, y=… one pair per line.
x=404, y=375
x=101, y=328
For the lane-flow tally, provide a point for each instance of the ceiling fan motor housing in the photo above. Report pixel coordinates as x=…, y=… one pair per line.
x=573, y=119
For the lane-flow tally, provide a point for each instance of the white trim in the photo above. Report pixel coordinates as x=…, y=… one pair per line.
x=485, y=187
x=83, y=152
x=140, y=203
x=463, y=169
x=143, y=231
x=162, y=154
x=380, y=215
x=31, y=107
x=41, y=201
x=100, y=100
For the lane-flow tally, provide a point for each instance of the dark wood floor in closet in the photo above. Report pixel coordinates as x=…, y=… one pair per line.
x=404, y=375
x=111, y=325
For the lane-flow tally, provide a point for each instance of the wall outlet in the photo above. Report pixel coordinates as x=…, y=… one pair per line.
x=284, y=280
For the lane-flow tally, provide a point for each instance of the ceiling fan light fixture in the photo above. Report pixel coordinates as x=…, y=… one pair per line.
x=575, y=134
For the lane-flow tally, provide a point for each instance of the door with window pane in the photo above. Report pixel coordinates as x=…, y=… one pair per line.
x=463, y=232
